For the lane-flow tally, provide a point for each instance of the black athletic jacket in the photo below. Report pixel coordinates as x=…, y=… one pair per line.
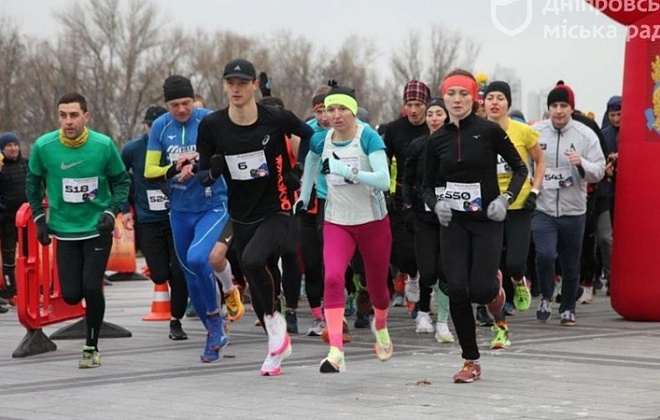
x=468, y=154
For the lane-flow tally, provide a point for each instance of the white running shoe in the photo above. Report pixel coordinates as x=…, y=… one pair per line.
x=442, y=333
x=412, y=289
x=423, y=323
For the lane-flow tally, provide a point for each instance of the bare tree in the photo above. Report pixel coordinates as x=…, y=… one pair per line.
x=355, y=65
x=12, y=64
x=211, y=53
x=119, y=61
x=429, y=58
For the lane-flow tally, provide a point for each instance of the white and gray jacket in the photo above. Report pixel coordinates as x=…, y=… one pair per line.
x=568, y=200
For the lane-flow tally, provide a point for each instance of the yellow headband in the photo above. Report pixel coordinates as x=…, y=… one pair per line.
x=342, y=99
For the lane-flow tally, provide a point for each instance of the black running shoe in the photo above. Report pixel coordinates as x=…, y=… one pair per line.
x=176, y=332
x=361, y=321
x=483, y=317
x=291, y=322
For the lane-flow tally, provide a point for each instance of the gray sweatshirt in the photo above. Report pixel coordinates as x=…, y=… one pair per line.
x=564, y=191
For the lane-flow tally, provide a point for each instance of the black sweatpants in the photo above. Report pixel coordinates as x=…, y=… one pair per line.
x=157, y=245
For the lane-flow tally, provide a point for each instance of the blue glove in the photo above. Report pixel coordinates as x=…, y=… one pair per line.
x=443, y=211
x=498, y=207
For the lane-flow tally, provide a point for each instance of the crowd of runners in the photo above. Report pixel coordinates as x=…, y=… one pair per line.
x=457, y=202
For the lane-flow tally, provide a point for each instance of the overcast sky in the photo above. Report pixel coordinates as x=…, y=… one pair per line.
x=583, y=47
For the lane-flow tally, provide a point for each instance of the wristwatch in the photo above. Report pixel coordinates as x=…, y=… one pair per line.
x=354, y=173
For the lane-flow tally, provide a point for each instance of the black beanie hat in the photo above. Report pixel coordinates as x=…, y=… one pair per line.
x=561, y=93
x=7, y=138
x=176, y=87
x=499, y=86
x=437, y=102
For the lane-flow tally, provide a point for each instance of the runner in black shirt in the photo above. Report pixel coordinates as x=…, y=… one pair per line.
x=246, y=143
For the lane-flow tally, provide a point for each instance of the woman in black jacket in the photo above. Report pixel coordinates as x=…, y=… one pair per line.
x=460, y=185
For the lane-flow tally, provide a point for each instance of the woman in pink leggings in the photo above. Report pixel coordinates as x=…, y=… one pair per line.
x=352, y=157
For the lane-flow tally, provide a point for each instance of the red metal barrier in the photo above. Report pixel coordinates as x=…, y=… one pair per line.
x=39, y=299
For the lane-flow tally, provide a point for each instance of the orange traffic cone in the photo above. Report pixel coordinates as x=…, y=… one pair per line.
x=160, y=306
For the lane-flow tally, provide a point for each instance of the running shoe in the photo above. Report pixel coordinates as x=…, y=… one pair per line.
x=349, y=307
x=544, y=310
x=568, y=319
x=483, y=318
x=90, y=358
x=272, y=366
x=522, y=296
x=278, y=338
x=398, y=300
x=383, y=346
x=209, y=355
x=423, y=323
x=412, y=290
x=509, y=309
x=291, y=321
x=234, y=304
x=334, y=363
x=442, y=333
x=470, y=372
x=361, y=321
x=501, y=336
x=587, y=295
x=190, y=310
x=497, y=304
x=3, y=309
x=216, y=338
x=176, y=332
x=316, y=329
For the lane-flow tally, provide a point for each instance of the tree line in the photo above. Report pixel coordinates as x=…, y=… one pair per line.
x=118, y=53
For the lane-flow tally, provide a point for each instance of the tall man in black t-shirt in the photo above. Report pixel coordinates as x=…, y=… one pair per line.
x=246, y=143
x=398, y=135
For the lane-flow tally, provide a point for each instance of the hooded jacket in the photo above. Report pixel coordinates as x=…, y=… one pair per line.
x=570, y=200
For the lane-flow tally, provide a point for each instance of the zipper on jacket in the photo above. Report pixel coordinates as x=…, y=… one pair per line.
x=557, y=166
x=183, y=134
x=458, y=143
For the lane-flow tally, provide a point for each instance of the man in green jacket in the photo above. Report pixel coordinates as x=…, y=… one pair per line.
x=86, y=185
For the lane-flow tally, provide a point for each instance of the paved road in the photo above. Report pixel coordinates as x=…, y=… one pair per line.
x=605, y=368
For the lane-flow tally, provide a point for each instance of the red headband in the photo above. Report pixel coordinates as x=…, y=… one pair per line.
x=462, y=81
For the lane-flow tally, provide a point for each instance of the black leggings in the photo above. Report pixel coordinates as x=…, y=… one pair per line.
x=291, y=275
x=471, y=252
x=80, y=267
x=8, y=237
x=403, y=248
x=429, y=261
x=255, y=243
x=312, y=253
x=517, y=236
x=157, y=244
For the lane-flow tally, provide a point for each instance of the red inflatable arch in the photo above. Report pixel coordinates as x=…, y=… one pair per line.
x=635, y=282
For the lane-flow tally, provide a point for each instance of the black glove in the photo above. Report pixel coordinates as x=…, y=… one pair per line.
x=299, y=208
x=217, y=165
x=171, y=172
x=292, y=181
x=42, y=231
x=106, y=224
x=264, y=84
x=325, y=166
x=530, y=203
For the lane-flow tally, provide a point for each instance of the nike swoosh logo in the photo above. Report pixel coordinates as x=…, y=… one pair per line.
x=64, y=167
x=98, y=249
x=228, y=238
